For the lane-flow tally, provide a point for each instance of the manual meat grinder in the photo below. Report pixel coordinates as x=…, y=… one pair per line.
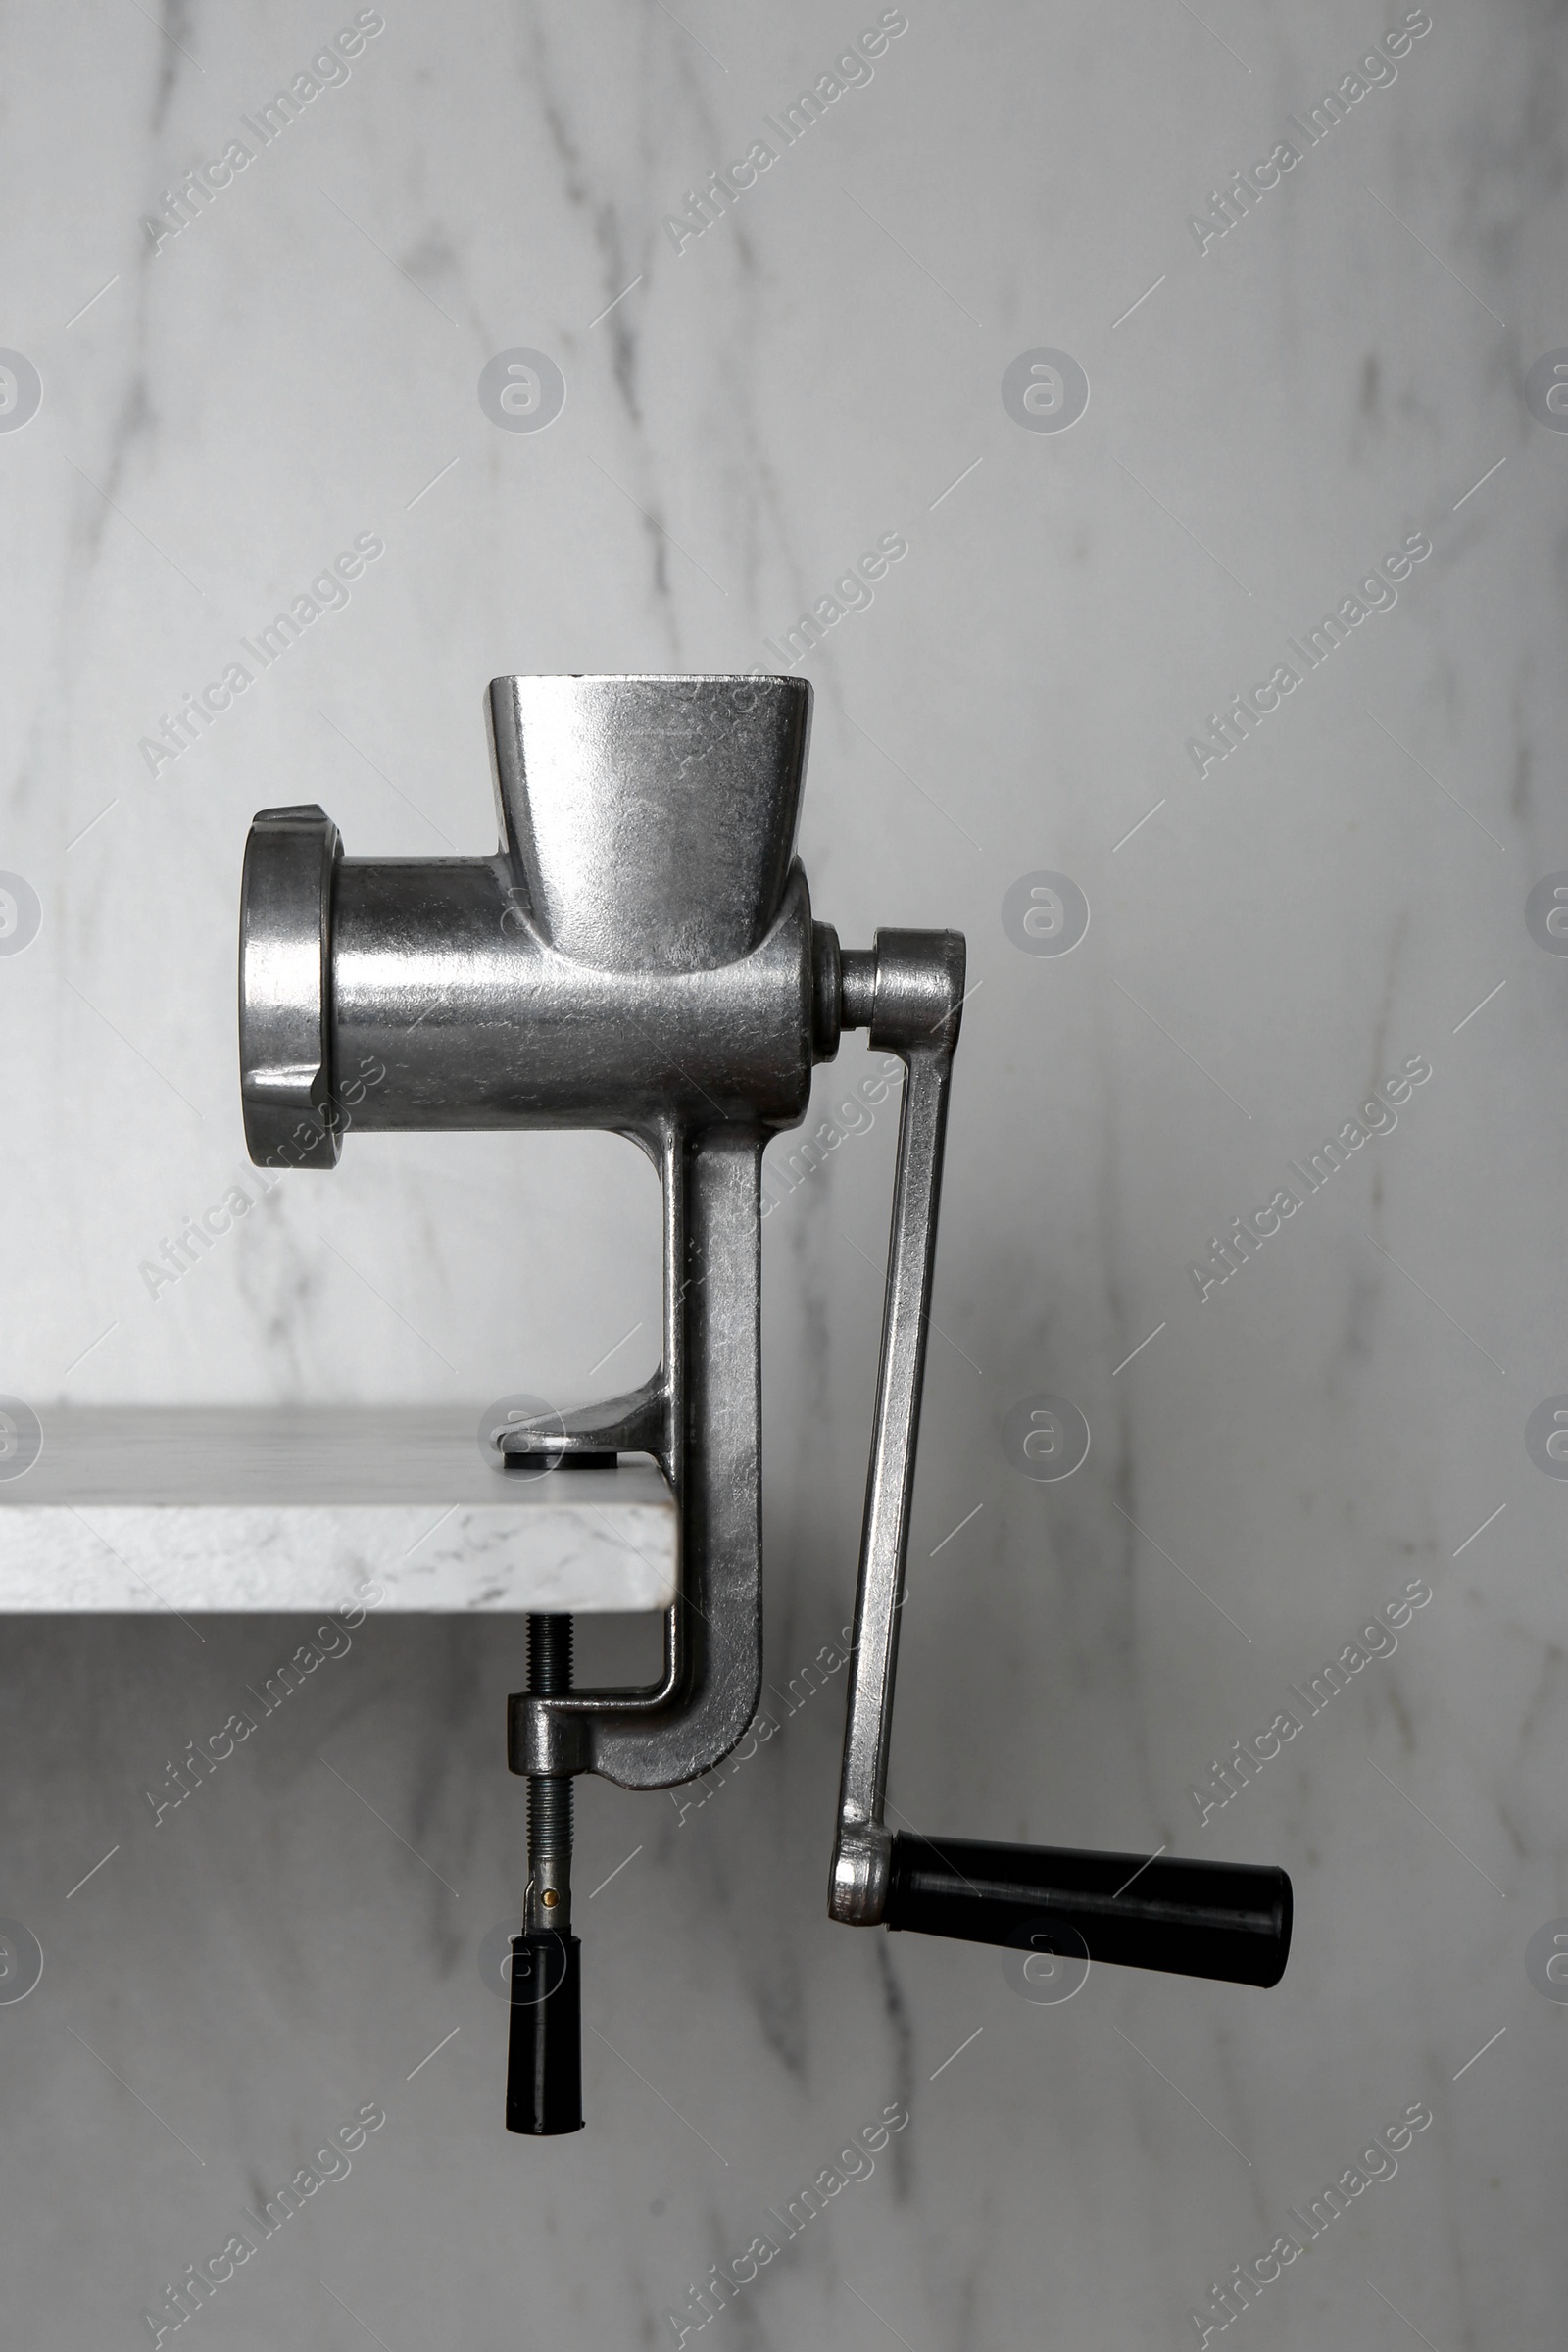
x=639, y=954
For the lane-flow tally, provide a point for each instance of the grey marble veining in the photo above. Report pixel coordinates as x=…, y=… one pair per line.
x=226, y=409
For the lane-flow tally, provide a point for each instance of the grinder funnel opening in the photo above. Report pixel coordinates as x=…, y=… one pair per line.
x=650, y=822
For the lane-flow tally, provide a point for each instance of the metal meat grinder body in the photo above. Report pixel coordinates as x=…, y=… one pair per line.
x=639, y=954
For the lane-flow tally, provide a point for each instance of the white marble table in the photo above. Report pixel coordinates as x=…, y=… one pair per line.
x=238, y=1509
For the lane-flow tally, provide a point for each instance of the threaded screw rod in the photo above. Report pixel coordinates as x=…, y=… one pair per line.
x=549, y=1795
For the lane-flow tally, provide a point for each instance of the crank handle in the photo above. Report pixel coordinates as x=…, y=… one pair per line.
x=1230, y=1920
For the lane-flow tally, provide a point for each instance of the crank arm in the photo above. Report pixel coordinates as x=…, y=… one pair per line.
x=1222, y=1920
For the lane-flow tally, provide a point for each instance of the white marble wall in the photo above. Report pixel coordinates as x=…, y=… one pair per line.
x=298, y=368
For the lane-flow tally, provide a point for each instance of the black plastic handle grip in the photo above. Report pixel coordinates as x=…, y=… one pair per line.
x=544, y=2056
x=1230, y=1920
